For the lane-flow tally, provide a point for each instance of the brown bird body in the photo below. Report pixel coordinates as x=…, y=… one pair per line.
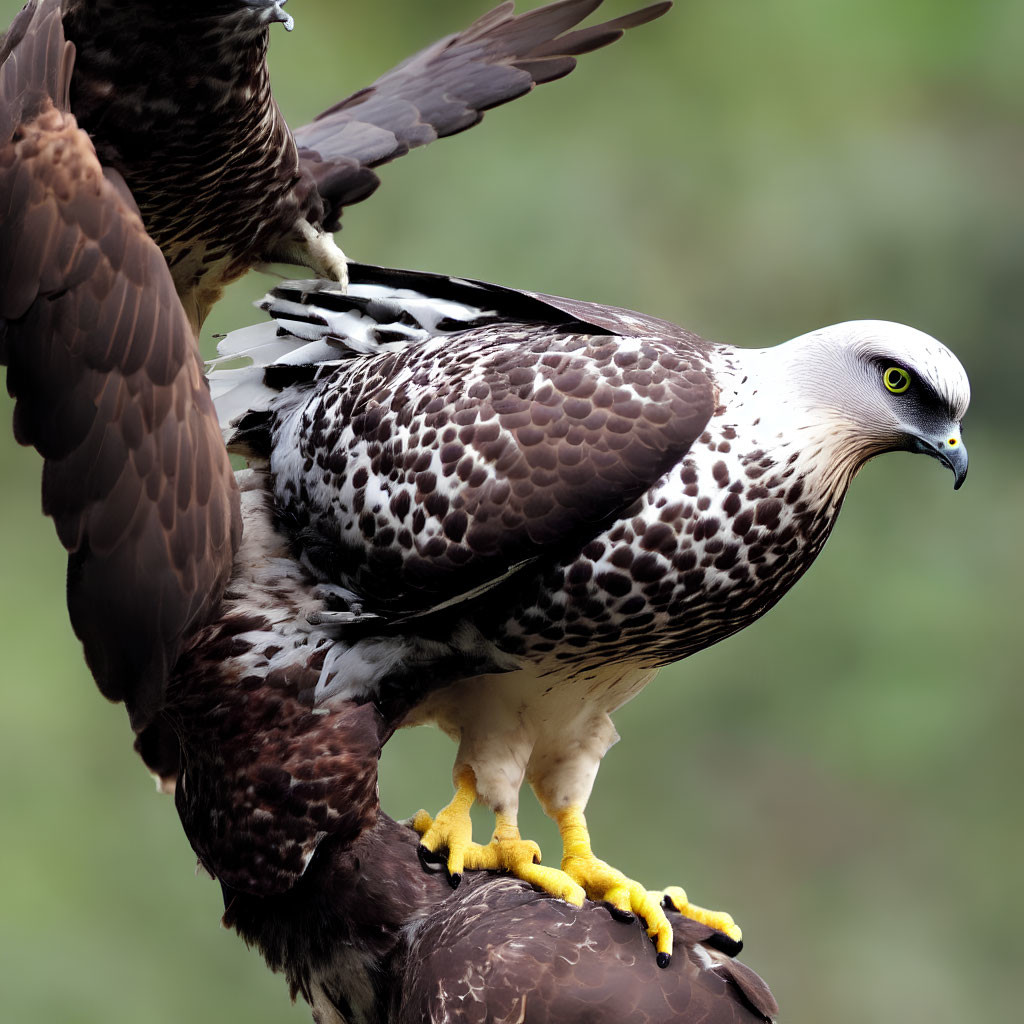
x=177, y=98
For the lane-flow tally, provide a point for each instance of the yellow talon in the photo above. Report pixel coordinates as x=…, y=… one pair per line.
x=717, y=919
x=452, y=829
x=507, y=851
x=422, y=821
x=604, y=883
x=581, y=875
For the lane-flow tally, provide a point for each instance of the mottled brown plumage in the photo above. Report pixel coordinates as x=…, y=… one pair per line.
x=410, y=951
x=177, y=98
x=109, y=385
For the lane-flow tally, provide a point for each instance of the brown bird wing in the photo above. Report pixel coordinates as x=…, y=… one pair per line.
x=493, y=950
x=108, y=382
x=499, y=950
x=555, y=430
x=445, y=89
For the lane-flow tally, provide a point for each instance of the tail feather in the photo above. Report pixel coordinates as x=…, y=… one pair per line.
x=316, y=324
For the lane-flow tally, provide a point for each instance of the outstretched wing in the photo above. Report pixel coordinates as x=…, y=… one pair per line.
x=445, y=89
x=483, y=441
x=108, y=383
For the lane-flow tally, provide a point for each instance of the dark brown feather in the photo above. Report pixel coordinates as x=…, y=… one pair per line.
x=264, y=778
x=109, y=385
x=445, y=89
x=492, y=950
x=179, y=103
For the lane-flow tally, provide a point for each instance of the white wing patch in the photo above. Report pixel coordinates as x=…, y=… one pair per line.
x=299, y=336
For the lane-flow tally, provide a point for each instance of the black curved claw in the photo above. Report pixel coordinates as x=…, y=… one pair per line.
x=433, y=861
x=722, y=942
x=430, y=859
x=664, y=959
x=627, y=916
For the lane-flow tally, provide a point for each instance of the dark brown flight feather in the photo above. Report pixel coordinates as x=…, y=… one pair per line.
x=445, y=89
x=109, y=385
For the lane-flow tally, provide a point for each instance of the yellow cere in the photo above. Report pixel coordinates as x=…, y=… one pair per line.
x=896, y=379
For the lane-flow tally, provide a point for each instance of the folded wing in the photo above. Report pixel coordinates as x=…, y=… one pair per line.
x=491, y=429
x=108, y=383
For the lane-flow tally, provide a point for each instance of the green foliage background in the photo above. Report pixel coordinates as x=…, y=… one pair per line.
x=845, y=775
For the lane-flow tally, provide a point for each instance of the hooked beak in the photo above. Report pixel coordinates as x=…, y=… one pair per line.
x=950, y=450
x=274, y=12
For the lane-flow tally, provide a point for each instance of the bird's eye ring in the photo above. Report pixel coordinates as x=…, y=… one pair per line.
x=896, y=379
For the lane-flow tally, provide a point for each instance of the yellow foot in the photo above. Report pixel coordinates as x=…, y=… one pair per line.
x=675, y=898
x=451, y=830
x=521, y=858
x=628, y=898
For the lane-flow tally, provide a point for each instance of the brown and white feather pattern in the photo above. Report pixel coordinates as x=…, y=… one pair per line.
x=264, y=776
x=644, y=515
x=179, y=102
x=531, y=503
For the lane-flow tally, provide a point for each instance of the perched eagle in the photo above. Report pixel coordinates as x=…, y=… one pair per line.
x=501, y=513
x=277, y=793
x=176, y=97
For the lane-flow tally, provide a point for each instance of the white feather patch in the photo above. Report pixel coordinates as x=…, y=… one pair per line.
x=290, y=339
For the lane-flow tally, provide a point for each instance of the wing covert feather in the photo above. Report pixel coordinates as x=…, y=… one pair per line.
x=420, y=475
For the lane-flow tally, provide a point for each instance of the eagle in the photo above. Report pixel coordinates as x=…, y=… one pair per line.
x=502, y=512
x=277, y=796
x=176, y=98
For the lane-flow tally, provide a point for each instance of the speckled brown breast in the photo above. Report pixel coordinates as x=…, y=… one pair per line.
x=711, y=547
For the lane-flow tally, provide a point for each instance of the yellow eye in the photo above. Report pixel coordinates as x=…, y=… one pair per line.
x=896, y=379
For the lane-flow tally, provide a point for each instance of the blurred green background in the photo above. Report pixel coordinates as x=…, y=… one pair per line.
x=845, y=775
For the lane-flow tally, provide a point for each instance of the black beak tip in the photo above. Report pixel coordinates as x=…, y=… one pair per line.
x=958, y=463
x=956, y=459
